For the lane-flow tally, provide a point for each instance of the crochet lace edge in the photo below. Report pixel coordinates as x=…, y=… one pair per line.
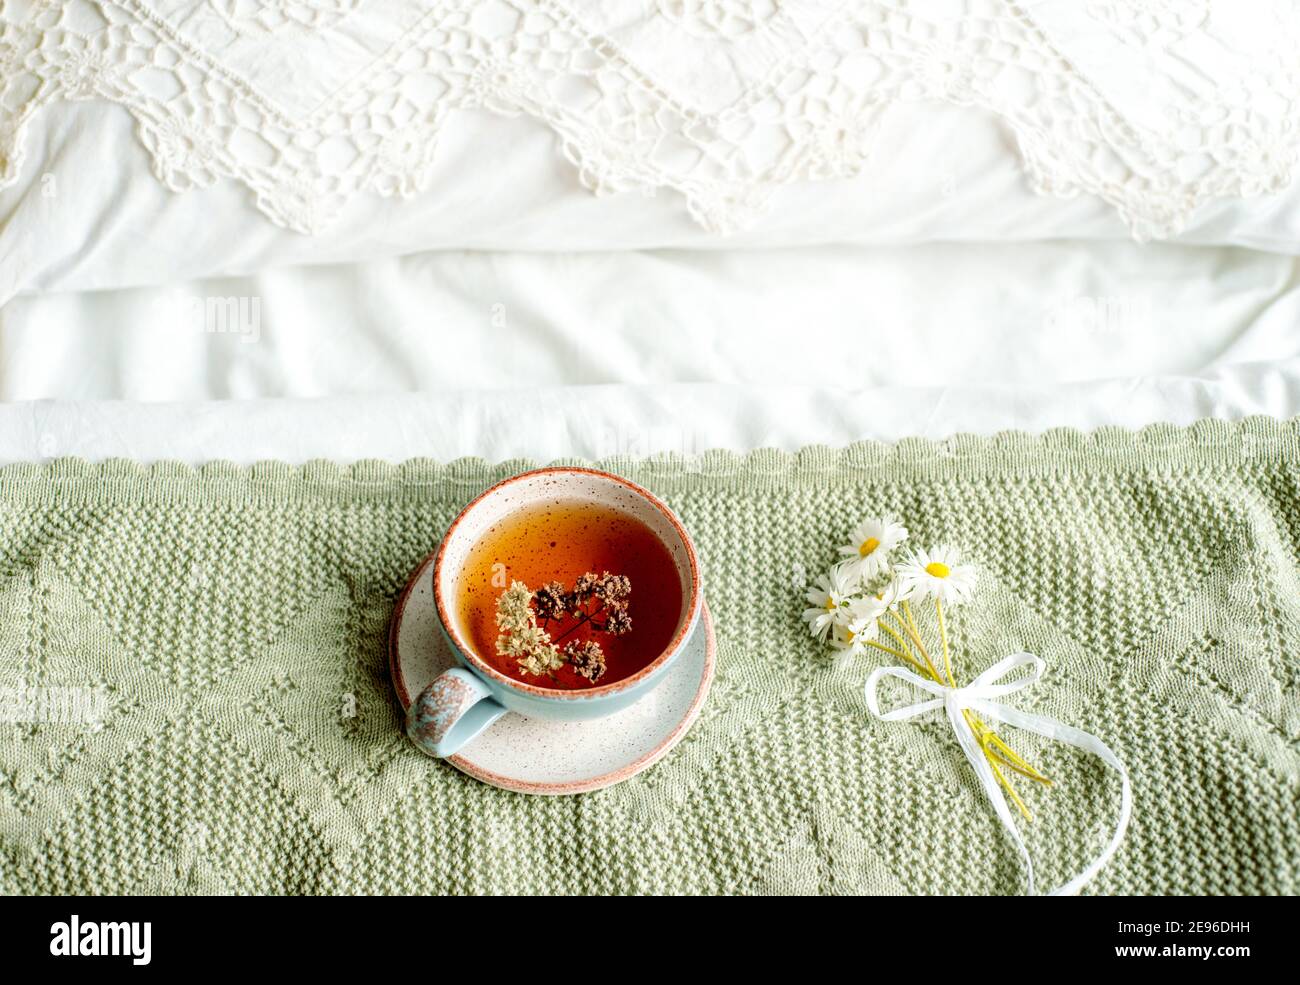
x=1013, y=454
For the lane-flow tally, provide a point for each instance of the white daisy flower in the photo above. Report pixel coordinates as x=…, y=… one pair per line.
x=861, y=628
x=828, y=600
x=938, y=574
x=870, y=544
x=894, y=593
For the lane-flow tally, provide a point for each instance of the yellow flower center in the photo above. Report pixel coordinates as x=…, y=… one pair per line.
x=938, y=569
x=868, y=546
x=830, y=605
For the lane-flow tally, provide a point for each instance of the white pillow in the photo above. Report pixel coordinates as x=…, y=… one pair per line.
x=177, y=139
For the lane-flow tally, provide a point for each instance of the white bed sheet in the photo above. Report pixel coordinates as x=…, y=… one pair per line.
x=541, y=356
x=600, y=421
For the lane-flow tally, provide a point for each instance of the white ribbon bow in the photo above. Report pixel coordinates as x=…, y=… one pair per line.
x=977, y=697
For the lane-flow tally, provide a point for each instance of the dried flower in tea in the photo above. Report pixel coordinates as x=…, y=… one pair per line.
x=530, y=644
x=521, y=637
x=587, y=658
x=583, y=589
x=611, y=590
x=551, y=601
x=618, y=622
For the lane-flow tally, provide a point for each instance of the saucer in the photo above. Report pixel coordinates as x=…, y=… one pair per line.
x=534, y=756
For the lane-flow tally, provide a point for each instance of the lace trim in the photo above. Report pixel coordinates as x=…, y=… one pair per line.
x=1018, y=454
x=720, y=100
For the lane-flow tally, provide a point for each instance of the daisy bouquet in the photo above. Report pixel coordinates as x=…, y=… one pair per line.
x=871, y=601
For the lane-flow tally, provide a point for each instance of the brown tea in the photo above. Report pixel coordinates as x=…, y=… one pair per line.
x=560, y=541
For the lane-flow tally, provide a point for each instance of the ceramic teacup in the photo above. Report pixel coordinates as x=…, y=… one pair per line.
x=465, y=700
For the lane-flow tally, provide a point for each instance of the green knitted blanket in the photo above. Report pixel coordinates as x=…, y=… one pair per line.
x=234, y=619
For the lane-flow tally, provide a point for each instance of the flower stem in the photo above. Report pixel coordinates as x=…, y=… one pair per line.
x=901, y=642
x=943, y=635
x=1009, y=756
x=909, y=627
x=1011, y=791
x=902, y=655
x=995, y=750
x=583, y=620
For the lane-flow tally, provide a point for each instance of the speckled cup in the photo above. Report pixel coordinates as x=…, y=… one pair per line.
x=465, y=700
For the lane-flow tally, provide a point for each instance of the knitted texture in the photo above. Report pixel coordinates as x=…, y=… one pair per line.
x=235, y=618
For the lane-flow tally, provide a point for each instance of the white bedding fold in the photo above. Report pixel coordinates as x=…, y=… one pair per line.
x=598, y=421
x=507, y=355
x=931, y=315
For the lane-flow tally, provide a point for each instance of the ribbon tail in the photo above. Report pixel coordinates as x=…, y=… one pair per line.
x=1050, y=728
x=980, y=763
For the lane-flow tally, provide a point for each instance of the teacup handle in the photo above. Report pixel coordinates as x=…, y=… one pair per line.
x=455, y=708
